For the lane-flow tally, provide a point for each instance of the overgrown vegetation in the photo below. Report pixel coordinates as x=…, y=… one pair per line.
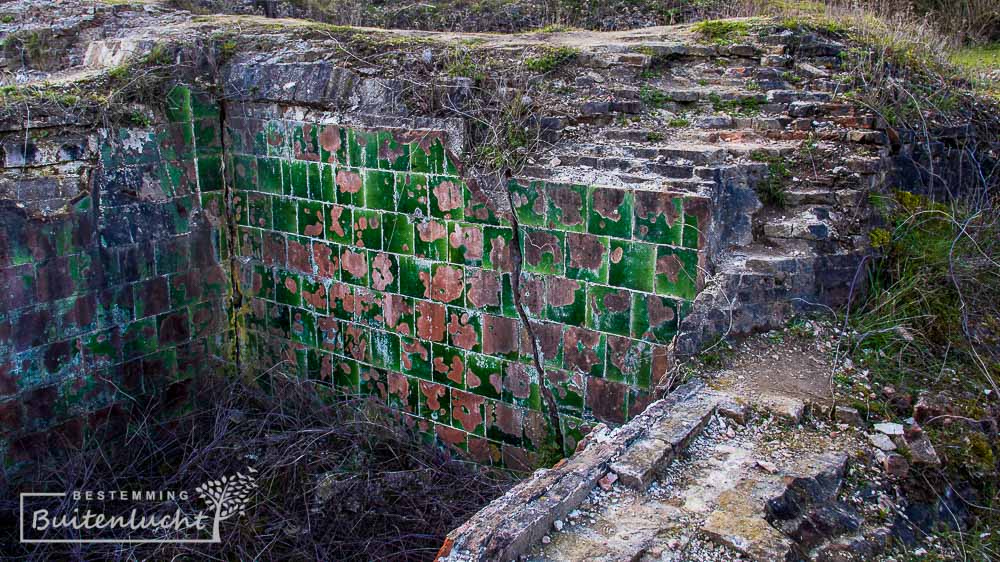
x=929, y=331
x=339, y=478
x=109, y=97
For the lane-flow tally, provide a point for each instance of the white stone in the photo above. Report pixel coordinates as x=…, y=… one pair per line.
x=767, y=467
x=889, y=428
x=881, y=441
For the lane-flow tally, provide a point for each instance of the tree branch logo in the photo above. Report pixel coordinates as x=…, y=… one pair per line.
x=97, y=516
x=227, y=496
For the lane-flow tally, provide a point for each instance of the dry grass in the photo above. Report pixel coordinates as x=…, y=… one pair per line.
x=385, y=496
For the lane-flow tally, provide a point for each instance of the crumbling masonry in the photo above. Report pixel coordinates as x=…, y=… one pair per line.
x=299, y=218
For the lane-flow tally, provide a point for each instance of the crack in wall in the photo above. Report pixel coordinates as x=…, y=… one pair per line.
x=515, y=280
x=229, y=229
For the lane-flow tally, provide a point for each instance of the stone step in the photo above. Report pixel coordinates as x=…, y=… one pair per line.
x=511, y=524
x=788, y=495
x=686, y=151
x=604, y=178
x=812, y=224
x=644, y=459
x=811, y=197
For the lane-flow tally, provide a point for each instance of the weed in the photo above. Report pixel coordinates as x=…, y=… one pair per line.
x=880, y=238
x=980, y=57
x=678, y=122
x=227, y=49
x=772, y=189
x=744, y=106
x=550, y=59
x=654, y=136
x=554, y=28
x=7, y=18
x=722, y=31
x=791, y=77
x=653, y=97
x=460, y=63
x=159, y=55
x=140, y=118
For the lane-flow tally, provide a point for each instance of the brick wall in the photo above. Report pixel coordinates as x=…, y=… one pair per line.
x=111, y=283
x=369, y=263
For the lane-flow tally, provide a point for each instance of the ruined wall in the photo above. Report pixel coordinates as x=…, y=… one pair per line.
x=366, y=261
x=111, y=283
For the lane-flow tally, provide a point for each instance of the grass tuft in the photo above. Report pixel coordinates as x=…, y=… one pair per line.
x=550, y=59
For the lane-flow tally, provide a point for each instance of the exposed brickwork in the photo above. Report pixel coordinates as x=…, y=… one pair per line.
x=371, y=264
x=121, y=294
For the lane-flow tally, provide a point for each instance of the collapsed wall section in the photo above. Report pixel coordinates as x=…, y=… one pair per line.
x=366, y=261
x=112, y=288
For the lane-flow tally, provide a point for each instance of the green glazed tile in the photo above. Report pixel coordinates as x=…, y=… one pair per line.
x=658, y=218
x=631, y=265
x=587, y=257
x=287, y=288
x=529, y=202
x=411, y=190
x=609, y=309
x=654, y=318
x=339, y=224
x=446, y=197
x=269, y=178
x=385, y=350
x=415, y=358
x=285, y=214
x=566, y=207
x=392, y=154
x=484, y=375
x=311, y=219
x=379, y=190
x=354, y=266
x=298, y=175
x=448, y=365
x=676, y=272
x=566, y=301
x=610, y=212
x=397, y=233
x=368, y=229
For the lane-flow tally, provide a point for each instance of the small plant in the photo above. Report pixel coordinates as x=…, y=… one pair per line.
x=722, y=31
x=653, y=97
x=550, y=59
x=791, y=77
x=743, y=106
x=654, y=136
x=7, y=18
x=880, y=238
x=140, y=118
x=227, y=49
x=771, y=189
x=554, y=28
x=159, y=55
x=678, y=122
x=119, y=72
x=460, y=63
